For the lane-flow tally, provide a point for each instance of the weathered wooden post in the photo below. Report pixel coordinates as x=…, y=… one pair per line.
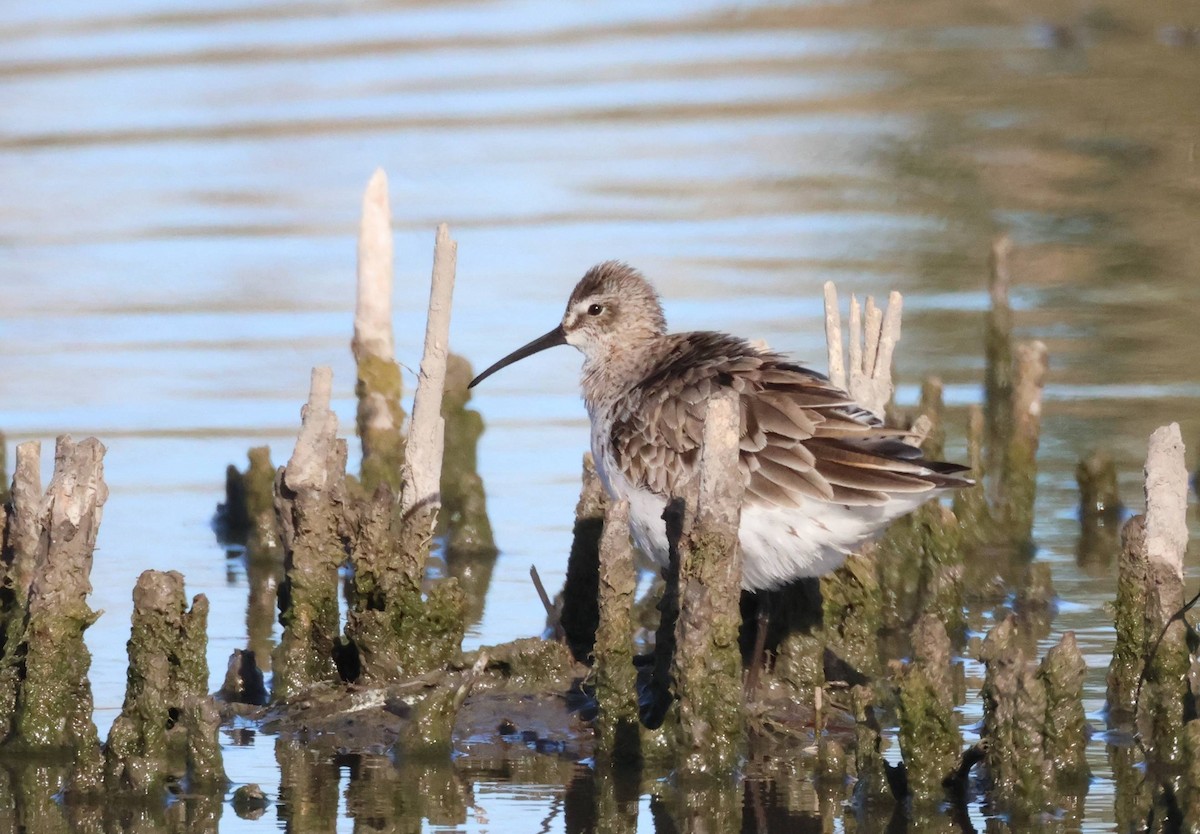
x=1018, y=487
x=1065, y=728
x=310, y=501
x=1167, y=658
x=1014, y=709
x=971, y=505
x=168, y=725
x=45, y=695
x=378, y=387
x=929, y=736
x=421, y=473
x=708, y=666
x=397, y=630
x=618, y=728
x=1149, y=593
x=933, y=408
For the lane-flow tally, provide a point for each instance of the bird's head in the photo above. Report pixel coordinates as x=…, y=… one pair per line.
x=611, y=307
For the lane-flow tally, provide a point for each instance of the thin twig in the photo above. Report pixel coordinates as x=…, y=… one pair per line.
x=552, y=617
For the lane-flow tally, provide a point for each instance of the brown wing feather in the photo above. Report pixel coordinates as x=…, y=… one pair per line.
x=802, y=438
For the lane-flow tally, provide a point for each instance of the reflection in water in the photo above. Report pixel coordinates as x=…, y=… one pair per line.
x=308, y=787
x=470, y=550
x=30, y=802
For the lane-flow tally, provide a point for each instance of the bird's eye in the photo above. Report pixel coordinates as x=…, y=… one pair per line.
x=595, y=309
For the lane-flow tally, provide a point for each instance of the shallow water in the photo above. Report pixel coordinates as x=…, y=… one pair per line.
x=179, y=191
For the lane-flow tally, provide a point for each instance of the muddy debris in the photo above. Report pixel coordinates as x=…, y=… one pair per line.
x=478, y=699
x=250, y=802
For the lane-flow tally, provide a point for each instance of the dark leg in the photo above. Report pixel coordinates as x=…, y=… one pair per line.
x=758, y=654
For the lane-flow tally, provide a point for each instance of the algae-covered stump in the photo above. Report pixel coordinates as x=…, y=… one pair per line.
x=45, y=694
x=310, y=500
x=397, y=630
x=167, y=729
x=618, y=727
x=707, y=669
x=1014, y=710
x=929, y=736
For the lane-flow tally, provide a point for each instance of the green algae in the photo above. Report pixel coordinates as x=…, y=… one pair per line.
x=314, y=541
x=1129, y=611
x=872, y=783
x=398, y=630
x=618, y=794
x=930, y=739
x=853, y=613
x=708, y=661
x=921, y=563
x=800, y=662
x=167, y=729
x=378, y=388
x=1065, y=730
x=1189, y=792
x=409, y=795
x=707, y=802
x=617, y=722
x=929, y=736
x=1164, y=693
x=1014, y=716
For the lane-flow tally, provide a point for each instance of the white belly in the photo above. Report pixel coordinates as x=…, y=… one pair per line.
x=778, y=545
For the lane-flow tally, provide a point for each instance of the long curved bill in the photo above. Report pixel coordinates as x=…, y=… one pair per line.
x=554, y=338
